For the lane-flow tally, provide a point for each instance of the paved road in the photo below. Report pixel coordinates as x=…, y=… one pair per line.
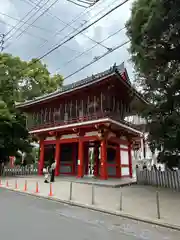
x=29, y=218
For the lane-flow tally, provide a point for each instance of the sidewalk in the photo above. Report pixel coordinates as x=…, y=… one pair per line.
x=138, y=202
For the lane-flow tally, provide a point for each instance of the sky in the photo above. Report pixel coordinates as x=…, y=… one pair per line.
x=37, y=36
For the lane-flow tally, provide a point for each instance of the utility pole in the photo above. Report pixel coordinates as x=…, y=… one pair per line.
x=2, y=36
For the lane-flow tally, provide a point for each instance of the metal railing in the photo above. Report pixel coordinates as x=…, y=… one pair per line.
x=19, y=171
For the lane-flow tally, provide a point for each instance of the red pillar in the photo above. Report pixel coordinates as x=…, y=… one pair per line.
x=41, y=160
x=57, y=157
x=73, y=158
x=80, y=158
x=130, y=159
x=118, y=162
x=96, y=162
x=12, y=161
x=103, y=173
x=86, y=158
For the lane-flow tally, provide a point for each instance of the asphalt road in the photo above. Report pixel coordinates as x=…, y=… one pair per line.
x=29, y=218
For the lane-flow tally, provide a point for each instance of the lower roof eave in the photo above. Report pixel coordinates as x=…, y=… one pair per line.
x=86, y=123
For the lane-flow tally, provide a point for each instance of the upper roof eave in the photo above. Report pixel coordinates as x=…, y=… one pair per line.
x=74, y=86
x=115, y=70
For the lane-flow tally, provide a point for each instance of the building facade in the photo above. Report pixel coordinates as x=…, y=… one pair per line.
x=87, y=115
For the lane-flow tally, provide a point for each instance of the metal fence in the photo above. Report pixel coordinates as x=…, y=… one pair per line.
x=19, y=171
x=167, y=179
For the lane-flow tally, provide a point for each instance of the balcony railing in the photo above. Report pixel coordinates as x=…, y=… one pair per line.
x=34, y=125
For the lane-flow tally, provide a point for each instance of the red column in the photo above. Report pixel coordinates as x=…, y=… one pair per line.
x=74, y=158
x=96, y=162
x=41, y=159
x=103, y=173
x=80, y=158
x=11, y=161
x=130, y=159
x=57, y=157
x=118, y=162
x=86, y=158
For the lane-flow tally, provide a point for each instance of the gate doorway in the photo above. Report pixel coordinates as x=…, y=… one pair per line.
x=91, y=159
x=49, y=152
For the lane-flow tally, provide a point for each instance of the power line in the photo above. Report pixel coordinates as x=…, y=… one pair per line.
x=75, y=29
x=19, y=35
x=96, y=59
x=19, y=20
x=32, y=35
x=89, y=49
x=84, y=3
x=73, y=32
x=82, y=30
x=50, y=14
x=27, y=19
x=84, y=20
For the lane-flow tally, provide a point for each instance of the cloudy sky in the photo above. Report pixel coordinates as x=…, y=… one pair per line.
x=36, y=37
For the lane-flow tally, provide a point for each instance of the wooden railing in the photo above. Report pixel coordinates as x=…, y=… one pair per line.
x=167, y=179
x=39, y=125
x=98, y=115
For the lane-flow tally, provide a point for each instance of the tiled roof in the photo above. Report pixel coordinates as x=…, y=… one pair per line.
x=76, y=85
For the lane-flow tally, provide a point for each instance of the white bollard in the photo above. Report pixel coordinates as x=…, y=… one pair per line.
x=70, y=192
x=93, y=197
x=120, y=205
x=157, y=205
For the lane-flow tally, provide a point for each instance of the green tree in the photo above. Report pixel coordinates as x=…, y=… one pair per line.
x=154, y=32
x=37, y=81
x=13, y=133
x=20, y=80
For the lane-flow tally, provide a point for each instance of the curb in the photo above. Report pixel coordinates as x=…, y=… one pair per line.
x=97, y=209
x=106, y=185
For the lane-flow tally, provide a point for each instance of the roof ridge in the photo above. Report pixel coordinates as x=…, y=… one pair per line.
x=89, y=79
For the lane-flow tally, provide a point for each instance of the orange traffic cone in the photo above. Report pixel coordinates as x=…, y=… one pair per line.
x=7, y=183
x=25, y=186
x=16, y=185
x=37, y=188
x=50, y=190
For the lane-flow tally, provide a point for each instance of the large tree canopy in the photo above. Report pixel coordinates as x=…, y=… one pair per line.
x=154, y=32
x=20, y=81
x=13, y=133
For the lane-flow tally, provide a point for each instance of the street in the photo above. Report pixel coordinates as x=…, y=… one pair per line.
x=30, y=218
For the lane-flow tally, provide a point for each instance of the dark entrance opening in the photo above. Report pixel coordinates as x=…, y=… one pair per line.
x=49, y=153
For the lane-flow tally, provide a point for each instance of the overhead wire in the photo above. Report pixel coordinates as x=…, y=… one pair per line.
x=97, y=59
x=30, y=34
x=21, y=20
x=75, y=29
x=84, y=4
x=89, y=49
x=32, y=3
x=19, y=35
x=34, y=36
x=54, y=16
x=82, y=30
